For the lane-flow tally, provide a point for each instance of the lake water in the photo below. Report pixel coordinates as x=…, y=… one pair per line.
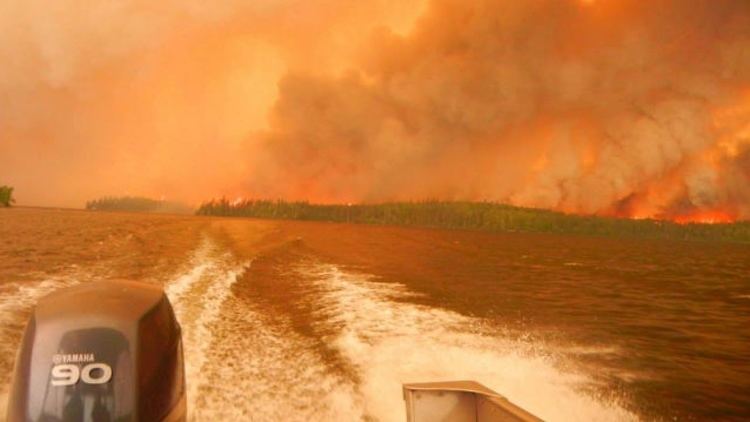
x=317, y=321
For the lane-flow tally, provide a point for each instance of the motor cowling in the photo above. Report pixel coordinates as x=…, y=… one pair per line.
x=100, y=351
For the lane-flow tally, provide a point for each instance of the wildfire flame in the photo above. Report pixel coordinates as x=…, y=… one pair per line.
x=705, y=217
x=596, y=107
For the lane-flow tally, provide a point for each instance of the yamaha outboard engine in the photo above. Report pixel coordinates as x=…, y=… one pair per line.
x=100, y=351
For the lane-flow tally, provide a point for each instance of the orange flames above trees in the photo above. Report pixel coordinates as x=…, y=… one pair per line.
x=706, y=217
x=601, y=107
x=725, y=166
x=597, y=107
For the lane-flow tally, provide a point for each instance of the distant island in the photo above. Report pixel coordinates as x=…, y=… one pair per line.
x=137, y=204
x=486, y=216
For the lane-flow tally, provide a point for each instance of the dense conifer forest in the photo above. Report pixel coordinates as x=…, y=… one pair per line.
x=485, y=216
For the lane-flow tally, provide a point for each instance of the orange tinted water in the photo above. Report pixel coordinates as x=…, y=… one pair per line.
x=337, y=315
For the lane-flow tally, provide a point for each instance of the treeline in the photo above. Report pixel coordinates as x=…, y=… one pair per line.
x=6, y=196
x=486, y=216
x=137, y=204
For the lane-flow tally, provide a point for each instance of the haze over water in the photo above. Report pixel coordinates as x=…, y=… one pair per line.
x=316, y=321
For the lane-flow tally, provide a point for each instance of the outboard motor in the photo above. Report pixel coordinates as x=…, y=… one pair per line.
x=100, y=351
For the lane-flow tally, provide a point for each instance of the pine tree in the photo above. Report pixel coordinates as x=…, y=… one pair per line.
x=6, y=196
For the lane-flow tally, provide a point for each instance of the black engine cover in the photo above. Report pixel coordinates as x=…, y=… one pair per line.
x=100, y=351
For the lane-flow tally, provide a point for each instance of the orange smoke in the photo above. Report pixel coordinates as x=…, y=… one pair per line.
x=611, y=108
x=598, y=107
x=158, y=98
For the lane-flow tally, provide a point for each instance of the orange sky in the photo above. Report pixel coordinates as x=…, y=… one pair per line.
x=600, y=106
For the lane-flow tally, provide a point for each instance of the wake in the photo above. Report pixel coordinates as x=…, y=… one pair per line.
x=244, y=364
x=197, y=297
x=391, y=341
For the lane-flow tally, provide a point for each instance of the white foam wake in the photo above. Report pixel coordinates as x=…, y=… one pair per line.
x=242, y=364
x=391, y=342
x=261, y=370
x=198, y=296
x=19, y=297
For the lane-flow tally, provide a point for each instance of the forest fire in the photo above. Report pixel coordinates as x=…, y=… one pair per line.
x=582, y=118
x=581, y=106
x=705, y=217
x=691, y=216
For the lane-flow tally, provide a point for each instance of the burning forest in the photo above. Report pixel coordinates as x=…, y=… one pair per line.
x=603, y=107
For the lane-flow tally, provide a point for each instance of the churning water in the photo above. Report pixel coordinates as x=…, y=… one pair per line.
x=324, y=322
x=246, y=364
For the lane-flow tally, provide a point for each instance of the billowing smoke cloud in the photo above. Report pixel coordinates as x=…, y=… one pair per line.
x=617, y=107
x=611, y=107
x=157, y=98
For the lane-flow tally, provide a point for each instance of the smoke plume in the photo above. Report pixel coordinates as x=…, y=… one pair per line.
x=158, y=98
x=610, y=107
x=614, y=107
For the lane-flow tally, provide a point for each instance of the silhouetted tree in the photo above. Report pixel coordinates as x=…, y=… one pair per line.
x=6, y=196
